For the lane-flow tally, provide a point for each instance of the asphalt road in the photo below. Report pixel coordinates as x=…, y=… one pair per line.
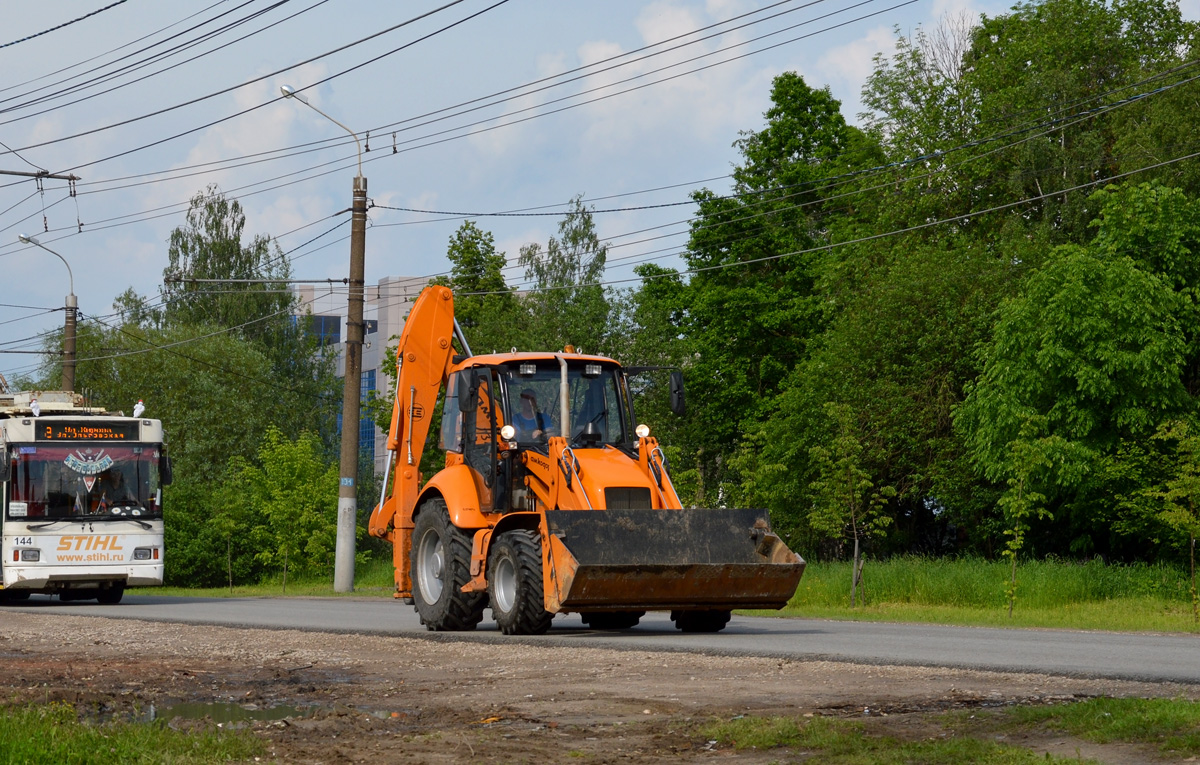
x=1131, y=656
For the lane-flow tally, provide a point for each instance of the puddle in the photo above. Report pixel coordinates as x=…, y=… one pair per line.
x=232, y=714
x=229, y=712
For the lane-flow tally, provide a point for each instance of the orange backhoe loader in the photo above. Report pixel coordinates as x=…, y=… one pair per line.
x=551, y=500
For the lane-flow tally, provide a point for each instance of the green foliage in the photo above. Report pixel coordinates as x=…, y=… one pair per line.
x=566, y=304
x=1007, y=371
x=484, y=305
x=53, y=734
x=847, y=742
x=290, y=500
x=1056, y=594
x=846, y=501
x=1180, y=494
x=1172, y=724
x=221, y=366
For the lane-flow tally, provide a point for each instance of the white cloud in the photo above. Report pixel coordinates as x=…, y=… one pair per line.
x=665, y=19
x=846, y=67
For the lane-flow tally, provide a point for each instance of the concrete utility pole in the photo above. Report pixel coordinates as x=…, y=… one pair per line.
x=343, y=556
x=72, y=306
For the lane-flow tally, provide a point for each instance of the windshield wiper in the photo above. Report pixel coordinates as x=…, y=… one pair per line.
x=46, y=525
x=135, y=519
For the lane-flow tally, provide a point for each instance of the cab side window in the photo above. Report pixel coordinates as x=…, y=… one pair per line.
x=450, y=437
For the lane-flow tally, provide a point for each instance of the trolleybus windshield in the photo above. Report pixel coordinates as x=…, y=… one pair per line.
x=57, y=481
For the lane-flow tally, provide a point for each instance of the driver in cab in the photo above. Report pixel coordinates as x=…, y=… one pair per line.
x=110, y=490
x=528, y=420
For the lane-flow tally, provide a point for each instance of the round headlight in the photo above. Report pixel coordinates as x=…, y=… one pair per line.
x=508, y=432
x=642, y=431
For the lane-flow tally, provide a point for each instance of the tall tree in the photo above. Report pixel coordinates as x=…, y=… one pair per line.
x=566, y=304
x=484, y=304
x=751, y=307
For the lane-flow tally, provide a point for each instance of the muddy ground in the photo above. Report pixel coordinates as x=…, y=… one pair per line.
x=356, y=698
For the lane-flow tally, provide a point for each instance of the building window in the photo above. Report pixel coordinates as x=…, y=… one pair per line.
x=327, y=329
x=366, y=426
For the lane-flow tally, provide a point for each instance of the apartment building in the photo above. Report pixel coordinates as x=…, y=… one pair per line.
x=386, y=305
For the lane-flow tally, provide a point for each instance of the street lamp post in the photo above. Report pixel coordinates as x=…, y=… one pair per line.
x=72, y=306
x=343, y=559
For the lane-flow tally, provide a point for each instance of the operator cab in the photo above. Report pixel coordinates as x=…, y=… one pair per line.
x=528, y=397
x=494, y=411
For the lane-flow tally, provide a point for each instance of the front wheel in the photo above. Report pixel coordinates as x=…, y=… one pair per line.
x=515, y=583
x=112, y=595
x=441, y=565
x=701, y=621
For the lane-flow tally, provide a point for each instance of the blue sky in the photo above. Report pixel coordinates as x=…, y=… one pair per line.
x=676, y=133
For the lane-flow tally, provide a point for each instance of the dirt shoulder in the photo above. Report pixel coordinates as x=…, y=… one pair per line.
x=356, y=698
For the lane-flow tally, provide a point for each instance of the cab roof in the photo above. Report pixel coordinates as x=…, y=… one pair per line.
x=497, y=359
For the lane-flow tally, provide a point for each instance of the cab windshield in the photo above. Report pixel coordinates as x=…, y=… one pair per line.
x=59, y=482
x=533, y=393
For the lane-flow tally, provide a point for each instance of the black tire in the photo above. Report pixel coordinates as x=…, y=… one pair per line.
x=515, y=583
x=612, y=620
x=14, y=596
x=112, y=595
x=441, y=565
x=68, y=596
x=701, y=621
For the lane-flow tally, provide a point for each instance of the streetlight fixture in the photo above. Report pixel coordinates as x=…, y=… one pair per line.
x=72, y=306
x=343, y=556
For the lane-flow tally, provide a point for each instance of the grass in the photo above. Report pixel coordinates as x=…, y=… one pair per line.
x=375, y=578
x=1170, y=725
x=843, y=742
x=1140, y=597
x=53, y=734
x=1173, y=725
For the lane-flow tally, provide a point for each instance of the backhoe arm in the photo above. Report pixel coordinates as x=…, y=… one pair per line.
x=422, y=361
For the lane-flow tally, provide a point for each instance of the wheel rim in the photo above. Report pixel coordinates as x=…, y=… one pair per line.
x=431, y=564
x=504, y=584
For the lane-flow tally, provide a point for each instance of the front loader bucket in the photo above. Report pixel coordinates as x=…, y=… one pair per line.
x=666, y=559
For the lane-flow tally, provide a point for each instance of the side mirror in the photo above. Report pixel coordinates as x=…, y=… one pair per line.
x=5, y=465
x=468, y=393
x=677, y=404
x=164, y=473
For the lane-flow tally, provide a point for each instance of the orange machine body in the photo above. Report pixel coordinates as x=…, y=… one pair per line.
x=547, y=488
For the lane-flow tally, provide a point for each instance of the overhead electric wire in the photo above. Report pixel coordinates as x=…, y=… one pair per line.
x=228, y=372
x=742, y=263
x=97, y=76
x=570, y=71
x=924, y=158
x=177, y=64
x=64, y=24
x=1054, y=193
x=907, y=2
x=223, y=91
x=322, y=142
x=87, y=61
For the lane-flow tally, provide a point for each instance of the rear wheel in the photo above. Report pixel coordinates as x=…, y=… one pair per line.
x=612, y=620
x=112, y=595
x=13, y=596
x=515, y=583
x=701, y=621
x=441, y=565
